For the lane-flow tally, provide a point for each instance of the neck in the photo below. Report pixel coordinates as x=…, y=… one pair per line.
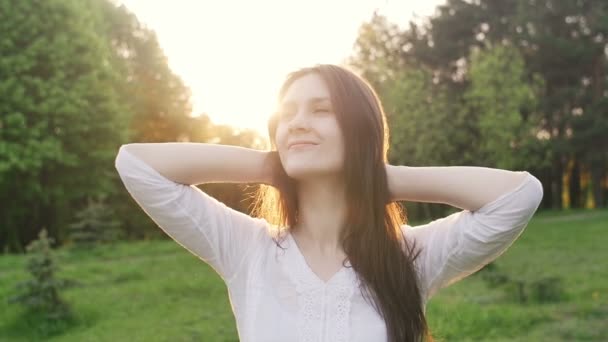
x=321, y=214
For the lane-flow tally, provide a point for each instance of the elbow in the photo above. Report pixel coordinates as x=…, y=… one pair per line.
x=122, y=161
x=536, y=192
x=505, y=218
x=119, y=157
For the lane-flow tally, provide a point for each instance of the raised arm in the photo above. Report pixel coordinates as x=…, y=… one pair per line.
x=497, y=206
x=198, y=163
x=161, y=176
x=464, y=187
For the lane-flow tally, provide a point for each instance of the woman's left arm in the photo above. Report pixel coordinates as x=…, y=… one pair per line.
x=464, y=187
x=497, y=205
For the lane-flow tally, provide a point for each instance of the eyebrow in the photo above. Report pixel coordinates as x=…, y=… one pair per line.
x=312, y=100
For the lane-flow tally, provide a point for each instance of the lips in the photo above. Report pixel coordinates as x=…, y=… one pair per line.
x=301, y=144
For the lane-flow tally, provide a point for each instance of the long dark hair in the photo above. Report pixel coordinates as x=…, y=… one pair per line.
x=372, y=237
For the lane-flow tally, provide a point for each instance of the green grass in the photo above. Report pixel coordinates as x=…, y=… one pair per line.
x=158, y=291
x=568, y=245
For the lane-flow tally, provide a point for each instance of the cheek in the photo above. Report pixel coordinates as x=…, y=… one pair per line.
x=341, y=150
x=279, y=137
x=280, y=141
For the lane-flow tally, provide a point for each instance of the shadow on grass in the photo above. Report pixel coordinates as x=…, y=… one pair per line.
x=35, y=326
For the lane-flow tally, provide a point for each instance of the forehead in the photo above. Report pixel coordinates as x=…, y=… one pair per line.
x=306, y=88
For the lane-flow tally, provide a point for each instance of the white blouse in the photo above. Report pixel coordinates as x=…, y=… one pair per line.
x=274, y=294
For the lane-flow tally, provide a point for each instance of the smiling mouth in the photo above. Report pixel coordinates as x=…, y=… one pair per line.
x=301, y=146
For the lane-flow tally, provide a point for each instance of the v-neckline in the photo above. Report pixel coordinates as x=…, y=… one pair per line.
x=309, y=270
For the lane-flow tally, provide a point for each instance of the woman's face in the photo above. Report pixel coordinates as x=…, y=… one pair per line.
x=305, y=114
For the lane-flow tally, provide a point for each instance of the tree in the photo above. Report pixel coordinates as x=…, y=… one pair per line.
x=562, y=43
x=157, y=98
x=41, y=293
x=94, y=224
x=504, y=106
x=61, y=114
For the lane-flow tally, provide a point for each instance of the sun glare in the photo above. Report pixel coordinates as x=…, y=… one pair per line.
x=234, y=55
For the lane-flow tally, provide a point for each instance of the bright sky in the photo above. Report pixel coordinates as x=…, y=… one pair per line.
x=234, y=54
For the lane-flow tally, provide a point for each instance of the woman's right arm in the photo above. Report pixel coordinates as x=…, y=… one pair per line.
x=161, y=178
x=198, y=163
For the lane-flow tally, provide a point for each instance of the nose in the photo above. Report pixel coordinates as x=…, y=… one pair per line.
x=300, y=121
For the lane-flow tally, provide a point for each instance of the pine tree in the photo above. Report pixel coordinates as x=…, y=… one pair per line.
x=94, y=224
x=41, y=293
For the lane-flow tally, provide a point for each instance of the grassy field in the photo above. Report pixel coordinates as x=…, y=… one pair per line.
x=158, y=291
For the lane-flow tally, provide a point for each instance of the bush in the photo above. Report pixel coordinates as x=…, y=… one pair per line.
x=93, y=225
x=548, y=289
x=41, y=293
x=541, y=290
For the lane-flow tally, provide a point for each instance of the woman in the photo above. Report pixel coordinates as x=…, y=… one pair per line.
x=328, y=256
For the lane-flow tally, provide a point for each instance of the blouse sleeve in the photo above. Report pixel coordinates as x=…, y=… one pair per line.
x=460, y=244
x=219, y=235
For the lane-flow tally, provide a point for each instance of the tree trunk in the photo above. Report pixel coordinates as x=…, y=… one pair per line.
x=556, y=184
x=574, y=186
x=596, y=183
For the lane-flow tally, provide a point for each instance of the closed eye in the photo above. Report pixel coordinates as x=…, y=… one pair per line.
x=283, y=115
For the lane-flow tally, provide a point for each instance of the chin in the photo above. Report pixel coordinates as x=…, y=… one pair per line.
x=300, y=173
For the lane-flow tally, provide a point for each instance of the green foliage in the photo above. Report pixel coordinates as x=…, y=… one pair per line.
x=418, y=112
x=41, y=293
x=61, y=114
x=564, y=245
x=158, y=100
x=498, y=94
x=77, y=80
x=544, y=289
x=376, y=53
x=522, y=84
x=94, y=224
x=547, y=289
x=172, y=295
